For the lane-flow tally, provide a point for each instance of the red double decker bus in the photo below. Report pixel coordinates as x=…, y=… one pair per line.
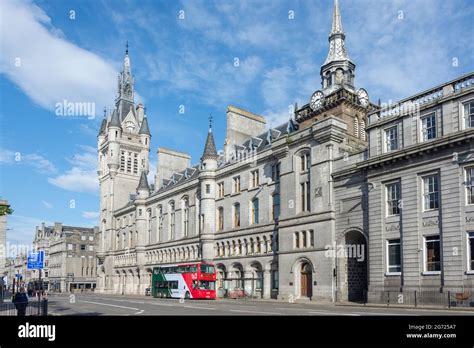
x=186, y=280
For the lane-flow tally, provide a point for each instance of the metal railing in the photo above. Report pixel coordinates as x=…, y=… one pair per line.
x=414, y=298
x=33, y=308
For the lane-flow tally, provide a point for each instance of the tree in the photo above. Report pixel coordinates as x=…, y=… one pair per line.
x=5, y=210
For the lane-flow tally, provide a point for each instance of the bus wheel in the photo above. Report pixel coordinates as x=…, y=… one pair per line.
x=187, y=296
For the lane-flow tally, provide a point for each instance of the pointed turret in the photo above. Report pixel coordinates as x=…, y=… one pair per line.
x=103, y=127
x=338, y=69
x=144, y=127
x=115, y=120
x=143, y=184
x=210, y=151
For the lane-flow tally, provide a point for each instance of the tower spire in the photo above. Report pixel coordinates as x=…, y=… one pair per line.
x=338, y=69
x=336, y=20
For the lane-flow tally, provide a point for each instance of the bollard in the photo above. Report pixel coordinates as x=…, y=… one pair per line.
x=45, y=307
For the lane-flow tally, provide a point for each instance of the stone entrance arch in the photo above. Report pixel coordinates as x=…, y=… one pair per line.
x=352, y=256
x=254, y=279
x=303, y=271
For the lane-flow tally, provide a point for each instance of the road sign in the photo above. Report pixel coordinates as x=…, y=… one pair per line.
x=36, y=260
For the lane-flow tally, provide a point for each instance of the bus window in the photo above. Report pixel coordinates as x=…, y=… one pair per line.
x=193, y=269
x=207, y=269
x=207, y=285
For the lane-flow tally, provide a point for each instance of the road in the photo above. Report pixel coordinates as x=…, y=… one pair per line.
x=98, y=304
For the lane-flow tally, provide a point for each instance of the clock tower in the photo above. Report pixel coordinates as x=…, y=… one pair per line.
x=338, y=95
x=123, y=156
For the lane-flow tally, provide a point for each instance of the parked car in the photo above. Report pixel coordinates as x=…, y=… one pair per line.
x=147, y=291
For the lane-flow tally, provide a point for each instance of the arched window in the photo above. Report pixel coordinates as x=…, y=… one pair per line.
x=220, y=219
x=362, y=129
x=356, y=127
x=172, y=214
x=148, y=225
x=254, y=215
x=185, y=206
x=258, y=246
x=159, y=223
x=236, y=214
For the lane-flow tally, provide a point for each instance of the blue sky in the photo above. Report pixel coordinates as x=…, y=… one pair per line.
x=50, y=54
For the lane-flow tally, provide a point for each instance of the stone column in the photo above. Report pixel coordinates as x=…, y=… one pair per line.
x=267, y=280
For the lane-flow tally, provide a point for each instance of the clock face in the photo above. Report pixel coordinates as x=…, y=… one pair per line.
x=130, y=126
x=363, y=97
x=316, y=100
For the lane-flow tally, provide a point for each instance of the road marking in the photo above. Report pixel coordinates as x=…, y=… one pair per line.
x=111, y=305
x=254, y=312
x=294, y=309
x=334, y=314
x=208, y=308
x=140, y=312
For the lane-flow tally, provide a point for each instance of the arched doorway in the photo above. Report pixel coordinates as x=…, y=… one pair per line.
x=356, y=265
x=306, y=280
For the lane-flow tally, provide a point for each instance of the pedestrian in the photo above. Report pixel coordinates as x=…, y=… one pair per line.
x=21, y=302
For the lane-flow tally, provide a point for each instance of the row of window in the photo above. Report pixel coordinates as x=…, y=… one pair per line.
x=431, y=255
x=244, y=247
x=83, y=247
x=430, y=191
x=428, y=128
x=303, y=239
x=129, y=162
x=172, y=255
x=254, y=212
x=254, y=180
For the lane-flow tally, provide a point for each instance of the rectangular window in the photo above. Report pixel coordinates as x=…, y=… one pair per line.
x=393, y=198
x=428, y=127
x=254, y=178
x=236, y=182
x=220, y=189
x=276, y=172
x=391, y=138
x=471, y=251
x=275, y=206
x=432, y=254
x=304, y=162
x=275, y=280
x=431, y=192
x=91, y=248
x=91, y=238
x=470, y=185
x=311, y=238
x=305, y=196
x=83, y=247
x=69, y=247
x=469, y=114
x=394, y=256
x=83, y=237
x=296, y=238
x=255, y=211
x=135, y=163
x=208, y=188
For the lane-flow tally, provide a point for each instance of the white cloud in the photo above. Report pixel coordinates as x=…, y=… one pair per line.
x=90, y=215
x=51, y=69
x=82, y=177
x=38, y=162
x=47, y=204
